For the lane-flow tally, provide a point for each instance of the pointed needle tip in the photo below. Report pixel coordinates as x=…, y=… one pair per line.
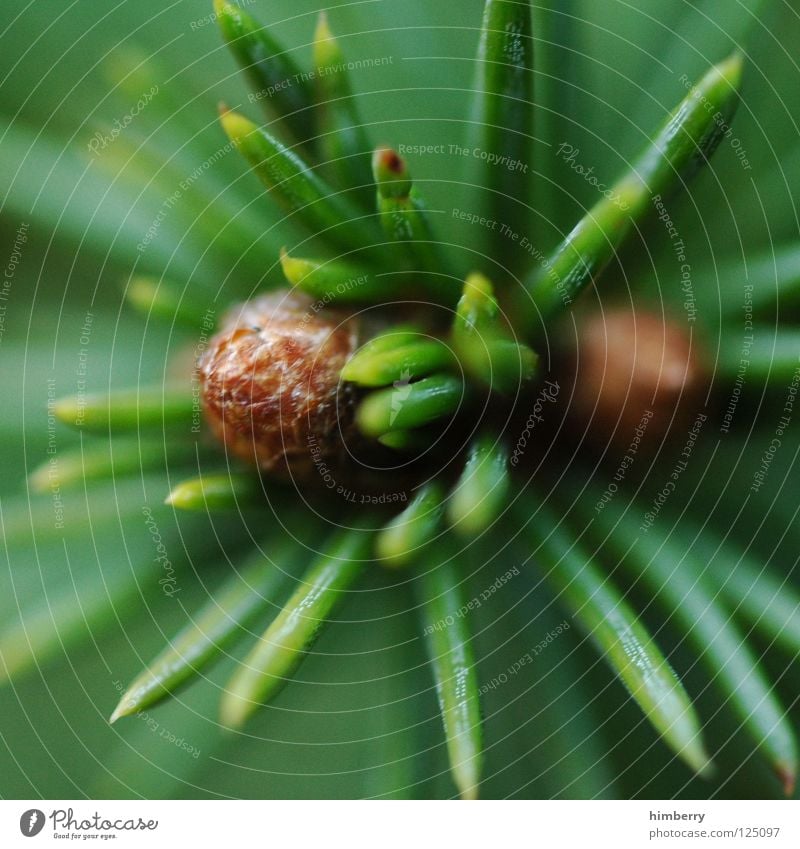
x=235, y=710
x=732, y=68
x=388, y=159
x=119, y=711
x=323, y=27
x=707, y=770
x=787, y=777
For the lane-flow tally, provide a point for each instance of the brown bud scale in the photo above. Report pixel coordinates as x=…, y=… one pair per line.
x=270, y=381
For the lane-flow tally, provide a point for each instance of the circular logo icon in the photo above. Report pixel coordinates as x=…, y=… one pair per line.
x=31, y=822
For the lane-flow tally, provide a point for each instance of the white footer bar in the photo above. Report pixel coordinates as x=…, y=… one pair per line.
x=400, y=825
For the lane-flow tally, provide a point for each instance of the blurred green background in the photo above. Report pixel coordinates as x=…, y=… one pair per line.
x=365, y=722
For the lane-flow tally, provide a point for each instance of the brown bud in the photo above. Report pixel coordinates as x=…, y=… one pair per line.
x=632, y=366
x=270, y=381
